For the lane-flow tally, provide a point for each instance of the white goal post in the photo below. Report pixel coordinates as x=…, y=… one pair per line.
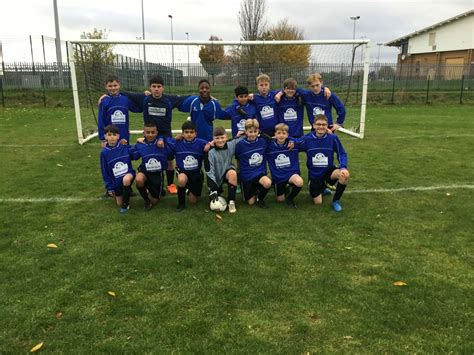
x=344, y=65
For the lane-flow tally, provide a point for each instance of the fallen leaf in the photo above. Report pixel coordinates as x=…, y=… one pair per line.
x=36, y=347
x=60, y=165
x=52, y=246
x=399, y=283
x=219, y=217
x=111, y=293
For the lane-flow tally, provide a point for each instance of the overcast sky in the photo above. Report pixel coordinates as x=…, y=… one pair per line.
x=380, y=20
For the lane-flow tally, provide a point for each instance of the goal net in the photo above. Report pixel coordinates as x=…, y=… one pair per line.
x=343, y=65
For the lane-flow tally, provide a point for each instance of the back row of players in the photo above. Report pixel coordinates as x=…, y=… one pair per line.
x=278, y=113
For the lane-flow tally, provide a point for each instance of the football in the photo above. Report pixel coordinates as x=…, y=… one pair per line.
x=218, y=205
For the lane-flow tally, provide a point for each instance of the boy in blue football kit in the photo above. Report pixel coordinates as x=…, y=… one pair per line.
x=320, y=147
x=154, y=160
x=239, y=111
x=113, y=109
x=284, y=166
x=317, y=103
x=116, y=167
x=219, y=167
x=265, y=105
x=290, y=108
x=253, y=165
x=189, y=153
x=157, y=108
x=203, y=110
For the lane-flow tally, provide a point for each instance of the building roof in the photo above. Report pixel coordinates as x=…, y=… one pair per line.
x=398, y=42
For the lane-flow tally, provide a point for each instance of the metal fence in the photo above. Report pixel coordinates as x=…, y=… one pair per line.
x=388, y=82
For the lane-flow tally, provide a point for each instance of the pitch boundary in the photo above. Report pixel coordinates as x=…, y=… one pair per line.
x=58, y=199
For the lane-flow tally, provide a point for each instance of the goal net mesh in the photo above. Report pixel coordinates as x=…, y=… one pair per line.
x=182, y=64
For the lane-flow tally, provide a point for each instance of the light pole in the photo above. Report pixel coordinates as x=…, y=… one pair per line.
x=362, y=51
x=145, y=70
x=172, y=50
x=354, y=18
x=379, y=44
x=189, y=74
x=59, y=58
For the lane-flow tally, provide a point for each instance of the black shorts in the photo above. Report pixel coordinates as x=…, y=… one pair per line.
x=280, y=188
x=317, y=186
x=195, y=180
x=211, y=184
x=250, y=188
x=119, y=189
x=153, y=183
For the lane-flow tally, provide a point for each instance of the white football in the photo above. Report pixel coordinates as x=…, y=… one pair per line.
x=219, y=205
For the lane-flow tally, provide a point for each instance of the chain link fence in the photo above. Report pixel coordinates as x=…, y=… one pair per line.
x=49, y=85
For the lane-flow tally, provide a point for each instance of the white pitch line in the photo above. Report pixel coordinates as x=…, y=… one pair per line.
x=411, y=188
x=467, y=135
x=362, y=191
x=35, y=145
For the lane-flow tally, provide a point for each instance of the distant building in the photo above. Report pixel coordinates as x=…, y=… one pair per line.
x=444, y=50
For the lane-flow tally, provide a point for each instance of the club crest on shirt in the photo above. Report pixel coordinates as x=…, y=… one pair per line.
x=290, y=115
x=241, y=125
x=153, y=165
x=320, y=160
x=266, y=112
x=190, y=163
x=318, y=111
x=256, y=159
x=120, y=169
x=282, y=161
x=118, y=117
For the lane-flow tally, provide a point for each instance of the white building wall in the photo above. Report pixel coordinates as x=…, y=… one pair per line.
x=457, y=35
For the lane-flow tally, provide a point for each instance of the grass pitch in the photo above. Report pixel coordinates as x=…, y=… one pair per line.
x=278, y=280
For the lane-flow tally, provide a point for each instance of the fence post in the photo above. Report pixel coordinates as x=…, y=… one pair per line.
x=428, y=89
x=462, y=90
x=393, y=88
x=43, y=81
x=2, y=83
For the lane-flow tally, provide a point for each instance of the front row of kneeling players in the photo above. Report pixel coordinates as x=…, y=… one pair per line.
x=252, y=151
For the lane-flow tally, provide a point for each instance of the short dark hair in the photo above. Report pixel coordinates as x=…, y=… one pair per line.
x=156, y=79
x=188, y=125
x=219, y=131
x=110, y=78
x=111, y=128
x=150, y=124
x=241, y=90
x=204, y=81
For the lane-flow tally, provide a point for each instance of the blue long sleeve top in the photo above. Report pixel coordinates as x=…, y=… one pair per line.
x=157, y=110
x=202, y=114
x=251, y=155
x=290, y=110
x=238, y=118
x=317, y=104
x=154, y=159
x=320, y=153
x=283, y=163
x=115, y=163
x=189, y=154
x=115, y=110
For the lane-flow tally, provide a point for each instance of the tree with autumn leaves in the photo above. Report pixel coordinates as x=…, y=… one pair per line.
x=253, y=60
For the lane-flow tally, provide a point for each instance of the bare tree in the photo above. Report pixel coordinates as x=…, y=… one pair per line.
x=252, y=19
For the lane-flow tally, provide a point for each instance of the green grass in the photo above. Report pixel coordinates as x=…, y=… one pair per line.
x=275, y=281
